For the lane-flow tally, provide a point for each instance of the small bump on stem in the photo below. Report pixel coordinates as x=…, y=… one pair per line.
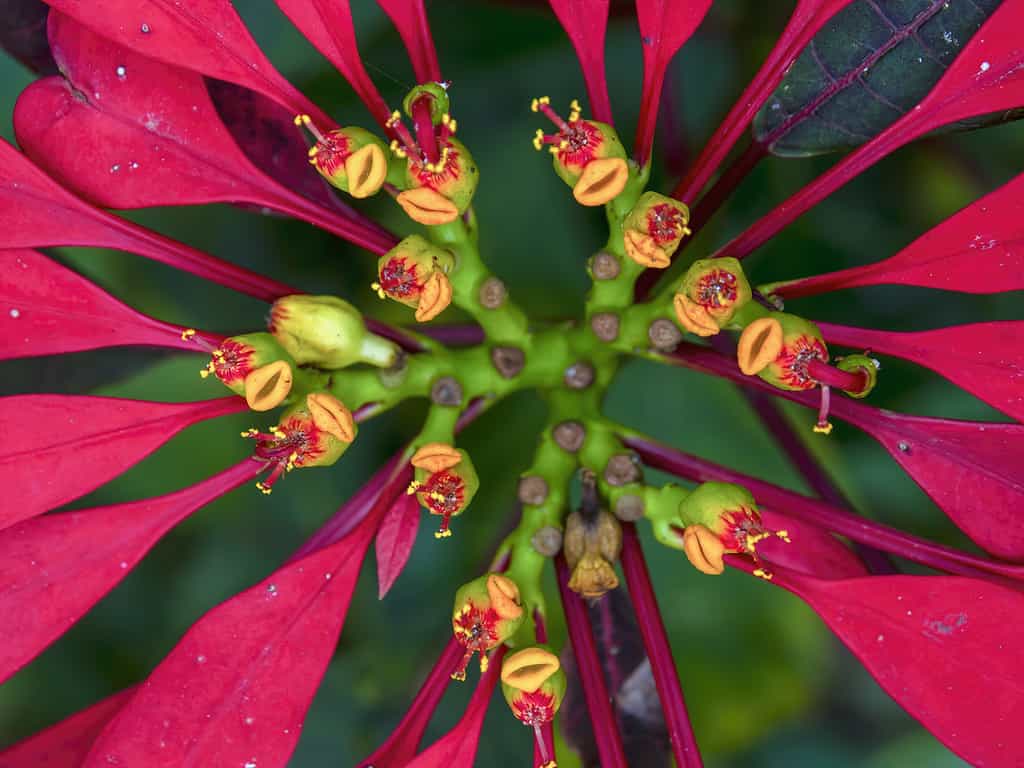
x=533, y=490
x=665, y=336
x=508, y=361
x=629, y=507
x=547, y=541
x=605, y=326
x=623, y=469
x=492, y=293
x=579, y=375
x=569, y=435
x=605, y=266
x=446, y=391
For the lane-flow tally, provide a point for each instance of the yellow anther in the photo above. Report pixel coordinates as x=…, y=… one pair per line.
x=395, y=119
x=443, y=534
x=276, y=432
x=376, y=288
x=314, y=150
x=209, y=369
x=413, y=487
x=484, y=663
x=251, y=432
x=823, y=429
x=553, y=150
x=761, y=573
x=264, y=489
x=446, y=118
x=188, y=333
x=784, y=535
x=298, y=120
x=575, y=111
x=538, y=140
x=535, y=104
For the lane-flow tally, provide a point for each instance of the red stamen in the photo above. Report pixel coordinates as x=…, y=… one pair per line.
x=828, y=375
x=554, y=117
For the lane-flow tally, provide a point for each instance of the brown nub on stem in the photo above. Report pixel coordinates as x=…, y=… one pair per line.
x=622, y=469
x=605, y=266
x=547, y=540
x=533, y=490
x=569, y=435
x=629, y=507
x=508, y=361
x=446, y=391
x=605, y=326
x=579, y=375
x=664, y=335
x=492, y=293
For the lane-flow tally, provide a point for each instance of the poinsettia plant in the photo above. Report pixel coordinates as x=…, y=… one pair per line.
x=154, y=104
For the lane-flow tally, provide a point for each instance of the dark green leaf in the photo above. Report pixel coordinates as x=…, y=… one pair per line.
x=866, y=68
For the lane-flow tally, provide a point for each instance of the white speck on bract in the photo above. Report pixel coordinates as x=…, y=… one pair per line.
x=984, y=66
x=122, y=72
x=15, y=313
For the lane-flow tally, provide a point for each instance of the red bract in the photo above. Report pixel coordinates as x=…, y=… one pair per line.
x=664, y=26
x=328, y=26
x=236, y=688
x=410, y=19
x=205, y=36
x=57, y=566
x=985, y=78
x=457, y=748
x=947, y=649
x=67, y=743
x=403, y=743
x=56, y=217
x=114, y=134
x=63, y=446
x=47, y=309
x=978, y=250
x=986, y=359
x=808, y=17
x=586, y=21
x=395, y=540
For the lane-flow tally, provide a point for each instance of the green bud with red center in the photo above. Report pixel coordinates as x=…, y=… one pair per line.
x=586, y=154
x=654, y=228
x=327, y=332
x=711, y=293
x=351, y=159
x=488, y=611
x=533, y=684
x=255, y=366
x=313, y=433
x=415, y=273
x=783, y=350
x=439, y=192
x=720, y=519
x=445, y=482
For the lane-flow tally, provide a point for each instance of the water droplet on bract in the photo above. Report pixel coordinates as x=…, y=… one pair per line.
x=327, y=576
x=250, y=764
x=880, y=638
x=984, y=66
x=133, y=165
x=145, y=28
x=122, y=72
x=904, y=446
x=115, y=168
x=15, y=314
x=271, y=590
x=200, y=659
x=249, y=721
x=124, y=564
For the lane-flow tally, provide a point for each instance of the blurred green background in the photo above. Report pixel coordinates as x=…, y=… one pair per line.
x=766, y=683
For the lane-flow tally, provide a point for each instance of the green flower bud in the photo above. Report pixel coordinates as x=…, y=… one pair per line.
x=327, y=332
x=654, y=228
x=237, y=357
x=351, y=159
x=710, y=294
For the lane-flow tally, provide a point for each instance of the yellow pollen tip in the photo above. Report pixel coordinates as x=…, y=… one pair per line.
x=453, y=126
x=823, y=429
x=538, y=140
x=413, y=487
x=276, y=432
x=376, y=288
x=298, y=120
x=484, y=663
x=761, y=573
x=251, y=432
x=188, y=333
x=784, y=535
x=395, y=119
x=442, y=534
x=266, y=490
x=553, y=150
x=574, y=105
x=314, y=150
x=460, y=676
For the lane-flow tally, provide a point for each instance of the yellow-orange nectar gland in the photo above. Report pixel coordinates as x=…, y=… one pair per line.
x=294, y=443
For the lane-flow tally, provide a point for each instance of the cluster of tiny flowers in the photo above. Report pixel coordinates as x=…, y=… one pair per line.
x=320, y=368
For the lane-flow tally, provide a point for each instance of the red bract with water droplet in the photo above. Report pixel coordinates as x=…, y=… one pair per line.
x=66, y=744
x=60, y=447
x=47, y=309
x=56, y=217
x=205, y=36
x=984, y=78
x=978, y=250
x=236, y=688
x=57, y=566
x=986, y=359
x=664, y=26
x=111, y=132
x=947, y=649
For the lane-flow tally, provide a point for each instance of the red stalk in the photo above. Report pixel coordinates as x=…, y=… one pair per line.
x=546, y=732
x=602, y=717
x=834, y=377
x=666, y=678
